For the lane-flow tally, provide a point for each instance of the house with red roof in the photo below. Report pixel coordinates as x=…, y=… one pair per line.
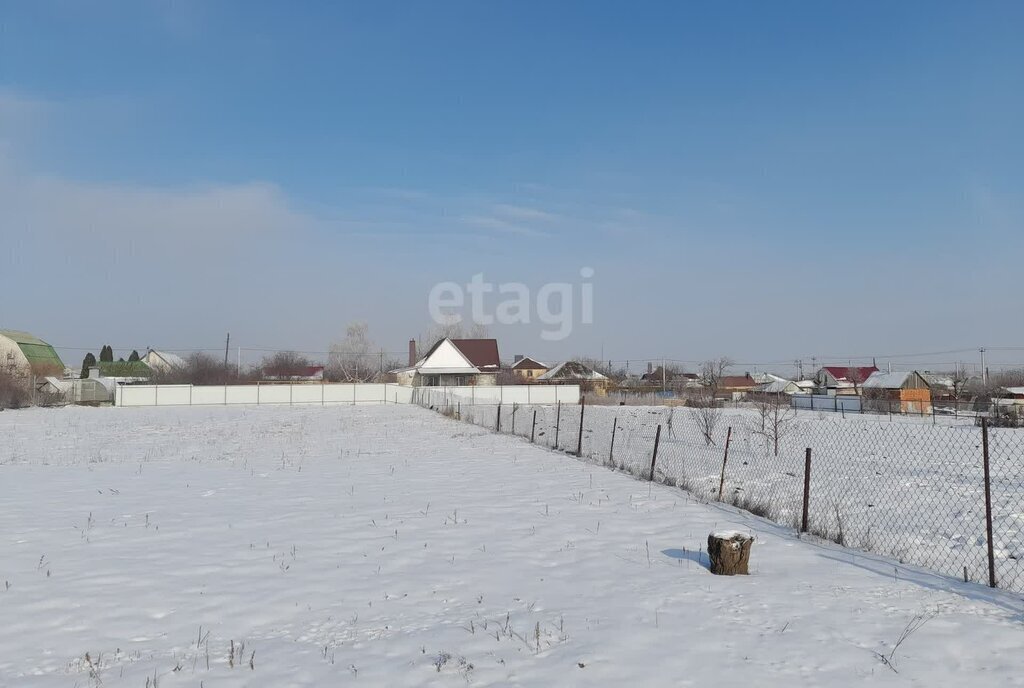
x=453, y=362
x=835, y=380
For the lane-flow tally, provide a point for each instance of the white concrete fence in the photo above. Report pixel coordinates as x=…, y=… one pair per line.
x=334, y=394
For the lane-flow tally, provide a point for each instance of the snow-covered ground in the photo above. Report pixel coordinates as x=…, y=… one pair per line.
x=389, y=546
x=905, y=487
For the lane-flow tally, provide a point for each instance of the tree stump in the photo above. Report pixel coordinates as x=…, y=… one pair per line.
x=729, y=552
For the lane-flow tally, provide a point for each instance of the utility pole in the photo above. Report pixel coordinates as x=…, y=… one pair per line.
x=227, y=345
x=984, y=369
x=239, y=361
x=663, y=387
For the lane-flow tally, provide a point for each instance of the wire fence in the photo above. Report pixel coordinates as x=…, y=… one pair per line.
x=949, y=497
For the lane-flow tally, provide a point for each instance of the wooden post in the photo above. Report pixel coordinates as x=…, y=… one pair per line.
x=558, y=422
x=533, y=428
x=579, y=440
x=611, y=449
x=807, y=490
x=988, y=504
x=721, y=482
x=654, y=456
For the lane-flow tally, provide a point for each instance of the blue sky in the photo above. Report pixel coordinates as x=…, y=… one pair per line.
x=762, y=180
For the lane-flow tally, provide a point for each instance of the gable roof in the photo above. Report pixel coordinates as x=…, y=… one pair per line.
x=780, y=386
x=458, y=356
x=854, y=374
x=894, y=380
x=165, y=357
x=527, y=363
x=572, y=370
x=727, y=381
x=482, y=353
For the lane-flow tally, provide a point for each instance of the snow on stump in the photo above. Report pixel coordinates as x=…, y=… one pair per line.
x=729, y=552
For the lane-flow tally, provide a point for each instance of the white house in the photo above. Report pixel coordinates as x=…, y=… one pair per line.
x=454, y=362
x=779, y=387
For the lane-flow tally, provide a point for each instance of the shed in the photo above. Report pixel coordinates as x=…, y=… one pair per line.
x=904, y=391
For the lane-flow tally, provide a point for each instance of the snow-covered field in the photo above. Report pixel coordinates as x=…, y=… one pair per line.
x=904, y=487
x=388, y=546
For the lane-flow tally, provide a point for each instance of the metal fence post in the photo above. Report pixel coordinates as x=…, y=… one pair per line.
x=533, y=428
x=807, y=490
x=515, y=407
x=988, y=504
x=721, y=482
x=579, y=440
x=611, y=449
x=558, y=422
x=497, y=425
x=654, y=456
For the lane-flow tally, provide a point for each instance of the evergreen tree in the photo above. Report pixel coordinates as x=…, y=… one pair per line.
x=107, y=354
x=87, y=363
x=134, y=356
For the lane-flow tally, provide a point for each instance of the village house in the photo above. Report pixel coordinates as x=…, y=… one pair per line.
x=669, y=378
x=835, y=380
x=1015, y=395
x=898, y=392
x=778, y=387
x=527, y=369
x=452, y=362
x=576, y=373
x=735, y=387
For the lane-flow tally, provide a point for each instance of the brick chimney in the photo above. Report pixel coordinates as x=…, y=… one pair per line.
x=518, y=358
x=412, y=352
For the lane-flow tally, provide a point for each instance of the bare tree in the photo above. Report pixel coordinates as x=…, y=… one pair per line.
x=452, y=327
x=712, y=372
x=285, y=365
x=14, y=390
x=706, y=413
x=776, y=415
x=355, y=358
x=200, y=369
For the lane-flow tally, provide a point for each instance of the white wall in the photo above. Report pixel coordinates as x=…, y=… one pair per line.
x=335, y=394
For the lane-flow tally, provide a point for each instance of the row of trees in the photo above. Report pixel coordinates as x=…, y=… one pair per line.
x=353, y=358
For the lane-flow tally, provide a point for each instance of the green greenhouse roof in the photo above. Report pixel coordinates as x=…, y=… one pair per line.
x=35, y=349
x=124, y=369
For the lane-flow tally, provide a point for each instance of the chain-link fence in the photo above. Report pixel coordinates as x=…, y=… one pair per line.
x=910, y=490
